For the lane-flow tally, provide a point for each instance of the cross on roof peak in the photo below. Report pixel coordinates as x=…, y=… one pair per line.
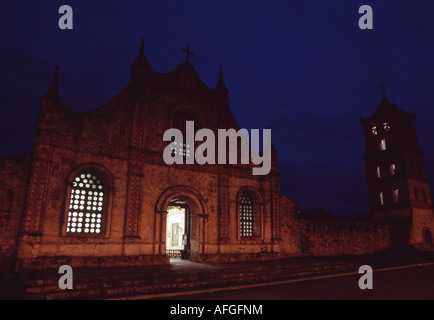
x=187, y=51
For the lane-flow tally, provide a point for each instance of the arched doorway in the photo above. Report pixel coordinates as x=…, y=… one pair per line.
x=181, y=217
x=178, y=229
x=427, y=238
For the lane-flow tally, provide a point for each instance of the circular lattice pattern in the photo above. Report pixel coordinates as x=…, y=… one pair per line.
x=246, y=216
x=85, y=205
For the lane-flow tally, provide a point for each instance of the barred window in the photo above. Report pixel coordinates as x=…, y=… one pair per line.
x=246, y=216
x=86, y=205
x=179, y=119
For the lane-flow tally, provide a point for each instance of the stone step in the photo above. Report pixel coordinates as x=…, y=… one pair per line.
x=91, y=286
x=114, y=273
x=139, y=279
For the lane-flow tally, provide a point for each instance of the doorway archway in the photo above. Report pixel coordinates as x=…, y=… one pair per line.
x=188, y=205
x=178, y=229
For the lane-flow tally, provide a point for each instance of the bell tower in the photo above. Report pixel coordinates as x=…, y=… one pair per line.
x=395, y=170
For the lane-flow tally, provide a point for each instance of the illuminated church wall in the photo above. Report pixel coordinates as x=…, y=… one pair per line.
x=47, y=218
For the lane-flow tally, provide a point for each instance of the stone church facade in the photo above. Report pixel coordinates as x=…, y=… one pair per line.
x=95, y=191
x=96, y=188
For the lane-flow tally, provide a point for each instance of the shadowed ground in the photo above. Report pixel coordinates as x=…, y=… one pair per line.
x=182, y=278
x=413, y=283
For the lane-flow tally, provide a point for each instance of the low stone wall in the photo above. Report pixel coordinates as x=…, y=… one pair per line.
x=345, y=238
x=237, y=257
x=78, y=262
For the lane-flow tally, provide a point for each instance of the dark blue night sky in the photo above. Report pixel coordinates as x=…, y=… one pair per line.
x=302, y=67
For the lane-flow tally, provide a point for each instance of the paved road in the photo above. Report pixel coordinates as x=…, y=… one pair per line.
x=402, y=284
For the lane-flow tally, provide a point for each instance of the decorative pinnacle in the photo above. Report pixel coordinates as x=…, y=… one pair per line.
x=56, y=72
x=220, y=82
x=53, y=91
x=141, y=64
x=221, y=74
x=142, y=47
x=384, y=91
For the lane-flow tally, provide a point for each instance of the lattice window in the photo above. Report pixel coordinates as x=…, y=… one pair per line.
x=85, y=213
x=184, y=150
x=179, y=119
x=246, y=216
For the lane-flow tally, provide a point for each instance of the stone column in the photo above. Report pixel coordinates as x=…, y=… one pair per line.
x=160, y=219
x=202, y=231
x=133, y=206
x=135, y=170
x=39, y=177
x=223, y=207
x=275, y=207
x=31, y=232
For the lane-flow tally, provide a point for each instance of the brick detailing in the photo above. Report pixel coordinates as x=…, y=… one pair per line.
x=275, y=206
x=138, y=127
x=133, y=206
x=6, y=197
x=155, y=158
x=223, y=206
x=35, y=200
